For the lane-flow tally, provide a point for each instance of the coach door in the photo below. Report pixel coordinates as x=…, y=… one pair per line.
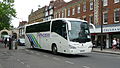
x=59, y=34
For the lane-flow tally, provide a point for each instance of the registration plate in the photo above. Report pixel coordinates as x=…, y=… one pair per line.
x=82, y=50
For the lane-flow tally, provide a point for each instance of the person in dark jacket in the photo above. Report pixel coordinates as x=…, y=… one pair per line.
x=5, y=42
x=10, y=43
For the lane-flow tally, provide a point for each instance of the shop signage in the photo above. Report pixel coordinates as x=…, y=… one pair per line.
x=106, y=29
x=111, y=29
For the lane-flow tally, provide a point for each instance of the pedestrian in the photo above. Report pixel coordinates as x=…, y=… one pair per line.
x=10, y=43
x=5, y=42
x=118, y=43
x=104, y=44
x=114, y=44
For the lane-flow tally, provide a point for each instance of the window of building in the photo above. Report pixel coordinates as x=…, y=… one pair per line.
x=68, y=12
x=105, y=17
x=84, y=7
x=51, y=11
x=78, y=11
x=91, y=5
x=73, y=11
x=50, y=7
x=117, y=15
x=62, y=13
x=56, y=15
x=65, y=13
x=116, y=1
x=91, y=19
x=46, y=13
x=105, y=2
x=46, y=8
x=59, y=14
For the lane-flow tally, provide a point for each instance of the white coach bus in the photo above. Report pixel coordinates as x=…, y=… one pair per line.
x=64, y=35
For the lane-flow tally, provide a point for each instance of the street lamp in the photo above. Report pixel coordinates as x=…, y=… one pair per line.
x=101, y=47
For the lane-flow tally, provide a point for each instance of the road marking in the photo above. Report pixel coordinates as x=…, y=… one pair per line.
x=56, y=58
x=69, y=62
x=86, y=67
x=22, y=62
x=45, y=55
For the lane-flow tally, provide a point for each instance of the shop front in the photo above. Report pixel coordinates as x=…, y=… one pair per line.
x=109, y=32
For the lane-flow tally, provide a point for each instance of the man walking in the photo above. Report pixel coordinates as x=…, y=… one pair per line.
x=10, y=43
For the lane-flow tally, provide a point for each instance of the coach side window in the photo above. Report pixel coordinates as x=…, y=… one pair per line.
x=59, y=27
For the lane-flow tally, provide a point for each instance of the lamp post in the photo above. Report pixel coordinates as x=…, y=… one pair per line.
x=101, y=47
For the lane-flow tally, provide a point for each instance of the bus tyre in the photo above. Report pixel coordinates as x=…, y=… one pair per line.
x=54, y=49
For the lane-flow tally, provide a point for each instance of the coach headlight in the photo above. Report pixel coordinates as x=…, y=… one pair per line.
x=72, y=47
x=90, y=46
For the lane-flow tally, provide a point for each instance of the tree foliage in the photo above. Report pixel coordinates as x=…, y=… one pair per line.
x=7, y=11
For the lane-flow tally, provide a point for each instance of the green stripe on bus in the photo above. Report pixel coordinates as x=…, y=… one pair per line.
x=36, y=41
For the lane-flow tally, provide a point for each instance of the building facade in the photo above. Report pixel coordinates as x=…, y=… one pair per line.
x=49, y=11
x=14, y=33
x=45, y=13
x=96, y=12
x=21, y=29
x=105, y=13
x=37, y=16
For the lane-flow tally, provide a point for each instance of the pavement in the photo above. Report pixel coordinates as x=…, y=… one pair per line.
x=109, y=51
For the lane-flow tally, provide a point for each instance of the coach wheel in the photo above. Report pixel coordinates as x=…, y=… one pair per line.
x=54, y=49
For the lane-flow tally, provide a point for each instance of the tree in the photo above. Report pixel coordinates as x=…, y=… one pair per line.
x=7, y=11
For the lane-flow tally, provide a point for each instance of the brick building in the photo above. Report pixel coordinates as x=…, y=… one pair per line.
x=96, y=12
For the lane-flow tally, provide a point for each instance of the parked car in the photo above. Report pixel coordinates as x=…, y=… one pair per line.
x=21, y=42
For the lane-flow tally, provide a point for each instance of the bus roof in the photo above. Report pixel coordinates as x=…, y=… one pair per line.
x=74, y=19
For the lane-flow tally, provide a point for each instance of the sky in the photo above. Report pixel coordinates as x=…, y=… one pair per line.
x=24, y=7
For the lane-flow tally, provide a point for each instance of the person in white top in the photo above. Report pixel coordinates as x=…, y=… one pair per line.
x=114, y=44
